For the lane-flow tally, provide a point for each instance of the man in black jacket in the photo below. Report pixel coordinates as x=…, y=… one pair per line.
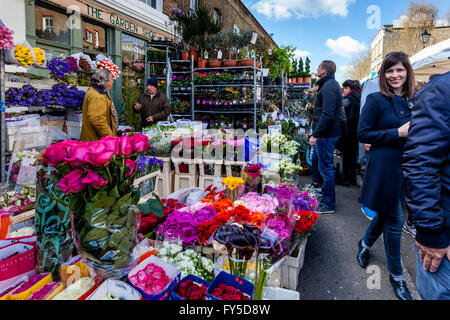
x=327, y=130
x=426, y=172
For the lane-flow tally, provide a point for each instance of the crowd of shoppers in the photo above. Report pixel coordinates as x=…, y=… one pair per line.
x=400, y=132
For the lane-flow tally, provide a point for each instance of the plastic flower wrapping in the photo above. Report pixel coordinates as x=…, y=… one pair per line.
x=17, y=202
x=76, y=289
x=39, y=56
x=45, y=291
x=6, y=39
x=109, y=65
x=98, y=179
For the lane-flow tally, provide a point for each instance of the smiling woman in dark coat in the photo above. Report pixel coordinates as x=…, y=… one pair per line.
x=384, y=124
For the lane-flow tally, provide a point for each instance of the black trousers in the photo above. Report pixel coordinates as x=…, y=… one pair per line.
x=350, y=158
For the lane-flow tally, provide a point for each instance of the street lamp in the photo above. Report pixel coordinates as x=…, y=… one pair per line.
x=424, y=37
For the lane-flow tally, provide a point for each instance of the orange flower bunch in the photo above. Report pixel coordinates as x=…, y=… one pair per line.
x=257, y=219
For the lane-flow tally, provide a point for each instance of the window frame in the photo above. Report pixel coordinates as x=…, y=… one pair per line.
x=44, y=23
x=91, y=34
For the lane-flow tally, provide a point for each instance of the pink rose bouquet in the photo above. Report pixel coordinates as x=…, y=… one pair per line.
x=97, y=178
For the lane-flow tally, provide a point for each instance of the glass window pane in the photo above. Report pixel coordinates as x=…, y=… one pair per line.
x=94, y=36
x=51, y=25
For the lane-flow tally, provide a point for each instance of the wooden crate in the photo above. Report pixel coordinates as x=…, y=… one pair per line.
x=60, y=124
x=290, y=268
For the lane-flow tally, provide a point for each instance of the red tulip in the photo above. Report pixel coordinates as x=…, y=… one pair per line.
x=72, y=182
x=94, y=179
x=139, y=142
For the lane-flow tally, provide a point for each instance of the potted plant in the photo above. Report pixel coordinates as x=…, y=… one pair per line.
x=307, y=74
x=300, y=71
x=280, y=62
x=213, y=44
x=230, y=40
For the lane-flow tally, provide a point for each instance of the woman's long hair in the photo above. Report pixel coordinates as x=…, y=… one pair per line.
x=389, y=61
x=353, y=85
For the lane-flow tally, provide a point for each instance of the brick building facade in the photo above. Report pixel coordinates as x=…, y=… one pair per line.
x=233, y=14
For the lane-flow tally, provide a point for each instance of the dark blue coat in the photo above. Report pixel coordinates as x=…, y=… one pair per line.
x=327, y=111
x=427, y=164
x=378, y=125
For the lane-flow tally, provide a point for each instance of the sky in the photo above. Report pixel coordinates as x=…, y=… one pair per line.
x=337, y=30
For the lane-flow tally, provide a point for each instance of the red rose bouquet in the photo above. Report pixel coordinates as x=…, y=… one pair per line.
x=190, y=290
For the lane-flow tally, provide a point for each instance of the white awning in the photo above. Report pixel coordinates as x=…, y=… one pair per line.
x=432, y=60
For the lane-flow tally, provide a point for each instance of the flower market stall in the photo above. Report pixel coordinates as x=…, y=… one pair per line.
x=174, y=211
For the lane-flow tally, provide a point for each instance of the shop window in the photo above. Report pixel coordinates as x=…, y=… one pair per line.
x=51, y=24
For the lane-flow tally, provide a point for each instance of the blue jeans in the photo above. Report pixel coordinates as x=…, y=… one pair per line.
x=317, y=178
x=325, y=153
x=433, y=286
x=390, y=225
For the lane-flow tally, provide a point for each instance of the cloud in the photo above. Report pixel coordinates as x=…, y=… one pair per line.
x=285, y=9
x=346, y=46
x=301, y=54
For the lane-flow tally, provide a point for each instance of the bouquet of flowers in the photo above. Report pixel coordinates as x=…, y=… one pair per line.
x=6, y=39
x=187, y=261
x=287, y=170
x=85, y=66
x=252, y=174
x=58, y=68
x=23, y=55
x=73, y=63
x=98, y=177
x=39, y=56
x=109, y=65
x=17, y=202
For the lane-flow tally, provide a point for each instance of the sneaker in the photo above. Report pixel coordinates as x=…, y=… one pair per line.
x=370, y=214
x=325, y=210
x=410, y=229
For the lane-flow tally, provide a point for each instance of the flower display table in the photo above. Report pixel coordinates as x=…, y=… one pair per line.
x=166, y=178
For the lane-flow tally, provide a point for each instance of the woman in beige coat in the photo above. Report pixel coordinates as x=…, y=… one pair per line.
x=99, y=115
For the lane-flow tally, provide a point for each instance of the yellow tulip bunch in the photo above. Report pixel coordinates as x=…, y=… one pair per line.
x=39, y=56
x=23, y=55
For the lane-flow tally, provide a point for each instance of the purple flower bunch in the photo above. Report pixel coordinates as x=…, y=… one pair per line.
x=281, y=224
x=177, y=13
x=61, y=95
x=6, y=39
x=284, y=193
x=24, y=96
x=58, y=67
x=147, y=165
x=185, y=225
x=73, y=63
x=313, y=203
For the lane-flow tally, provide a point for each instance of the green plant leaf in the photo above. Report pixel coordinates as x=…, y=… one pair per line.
x=114, y=193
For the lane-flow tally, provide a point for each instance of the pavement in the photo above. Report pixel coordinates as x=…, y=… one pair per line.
x=331, y=271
